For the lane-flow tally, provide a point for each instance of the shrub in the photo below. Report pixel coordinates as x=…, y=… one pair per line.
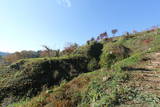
x=92, y=50
x=113, y=53
x=95, y=50
x=69, y=48
x=93, y=65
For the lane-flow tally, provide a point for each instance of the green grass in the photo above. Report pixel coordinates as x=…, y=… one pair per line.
x=105, y=92
x=92, y=91
x=18, y=104
x=100, y=88
x=131, y=61
x=28, y=77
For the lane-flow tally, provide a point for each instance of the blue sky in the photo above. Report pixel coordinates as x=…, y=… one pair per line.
x=29, y=24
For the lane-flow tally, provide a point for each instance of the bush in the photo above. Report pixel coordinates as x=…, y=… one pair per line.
x=113, y=53
x=93, y=65
x=92, y=50
x=69, y=48
x=95, y=50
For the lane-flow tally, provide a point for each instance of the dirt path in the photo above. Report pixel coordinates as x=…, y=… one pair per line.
x=149, y=80
x=146, y=77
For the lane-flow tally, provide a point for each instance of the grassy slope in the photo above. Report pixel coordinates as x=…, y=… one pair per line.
x=104, y=87
x=26, y=78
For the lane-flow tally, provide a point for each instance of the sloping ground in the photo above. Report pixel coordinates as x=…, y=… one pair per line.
x=3, y=53
x=28, y=77
x=91, y=89
x=138, y=87
x=109, y=87
x=146, y=80
x=151, y=78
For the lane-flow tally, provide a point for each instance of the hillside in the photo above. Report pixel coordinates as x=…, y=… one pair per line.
x=3, y=53
x=121, y=71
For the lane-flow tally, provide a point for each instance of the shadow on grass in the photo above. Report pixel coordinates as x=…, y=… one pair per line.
x=135, y=69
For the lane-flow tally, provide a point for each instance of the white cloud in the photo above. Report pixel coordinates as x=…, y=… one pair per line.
x=65, y=3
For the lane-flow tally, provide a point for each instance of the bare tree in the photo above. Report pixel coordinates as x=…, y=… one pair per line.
x=114, y=31
x=48, y=50
x=98, y=38
x=127, y=33
x=70, y=48
x=134, y=31
x=103, y=35
x=92, y=39
x=57, y=53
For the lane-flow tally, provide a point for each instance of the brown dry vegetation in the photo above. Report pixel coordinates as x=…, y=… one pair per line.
x=131, y=80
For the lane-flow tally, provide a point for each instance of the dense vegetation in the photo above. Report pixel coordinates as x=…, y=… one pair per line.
x=108, y=71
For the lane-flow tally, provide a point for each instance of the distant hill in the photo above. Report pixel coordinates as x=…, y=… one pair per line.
x=3, y=53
